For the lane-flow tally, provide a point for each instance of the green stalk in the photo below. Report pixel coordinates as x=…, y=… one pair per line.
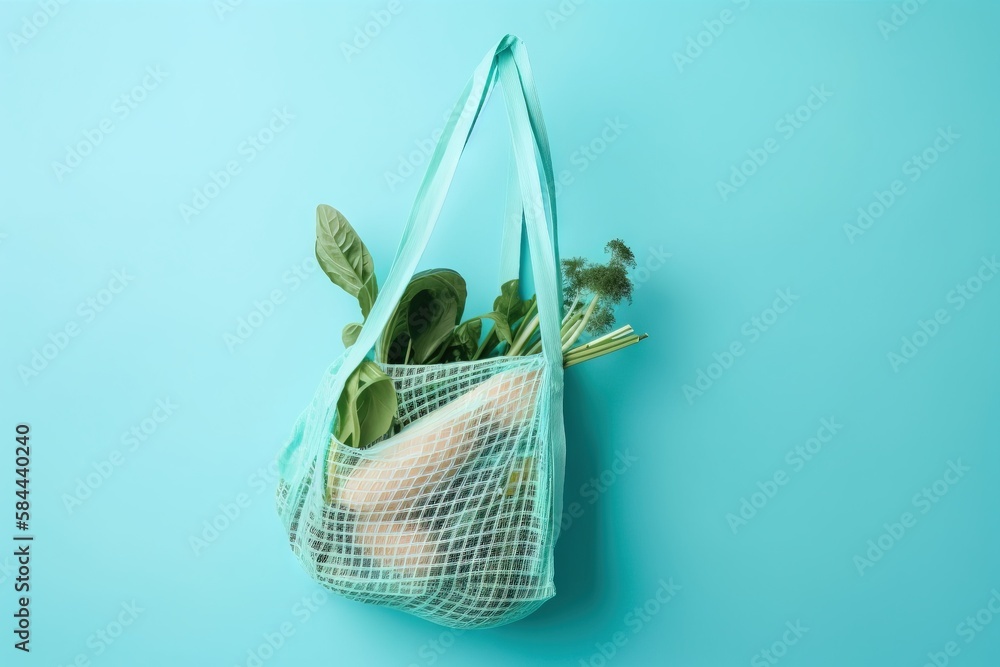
x=578, y=330
x=573, y=325
x=572, y=308
x=574, y=333
x=571, y=318
x=489, y=342
x=580, y=355
x=569, y=322
x=523, y=335
x=608, y=341
x=531, y=311
x=528, y=325
x=617, y=333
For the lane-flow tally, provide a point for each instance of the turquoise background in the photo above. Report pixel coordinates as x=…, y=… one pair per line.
x=710, y=265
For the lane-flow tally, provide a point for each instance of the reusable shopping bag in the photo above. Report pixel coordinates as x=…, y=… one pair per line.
x=455, y=517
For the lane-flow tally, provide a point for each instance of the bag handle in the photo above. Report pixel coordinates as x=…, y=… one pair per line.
x=528, y=133
x=526, y=127
x=522, y=110
x=510, y=253
x=513, y=226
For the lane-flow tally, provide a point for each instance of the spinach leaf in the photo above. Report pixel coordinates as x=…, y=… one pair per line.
x=501, y=327
x=509, y=303
x=424, y=319
x=464, y=341
x=366, y=407
x=350, y=333
x=344, y=257
x=508, y=308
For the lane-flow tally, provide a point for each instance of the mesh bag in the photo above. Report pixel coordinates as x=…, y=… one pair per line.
x=454, y=517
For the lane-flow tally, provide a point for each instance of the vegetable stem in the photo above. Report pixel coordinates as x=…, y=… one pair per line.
x=625, y=330
x=569, y=321
x=490, y=337
x=572, y=306
x=523, y=335
x=578, y=330
x=585, y=353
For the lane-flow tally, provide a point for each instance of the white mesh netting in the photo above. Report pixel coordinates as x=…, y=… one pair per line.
x=450, y=518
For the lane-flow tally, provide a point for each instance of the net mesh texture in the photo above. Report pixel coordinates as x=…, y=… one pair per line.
x=450, y=518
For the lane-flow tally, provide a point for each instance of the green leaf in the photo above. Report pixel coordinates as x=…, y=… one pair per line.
x=509, y=303
x=430, y=308
x=431, y=319
x=344, y=258
x=508, y=308
x=366, y=297
x=464, y=341
x=350, y=333
x=501, y=326
x=366, y=407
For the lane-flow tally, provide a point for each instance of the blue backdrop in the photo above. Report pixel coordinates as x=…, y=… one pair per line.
x=797, y=467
